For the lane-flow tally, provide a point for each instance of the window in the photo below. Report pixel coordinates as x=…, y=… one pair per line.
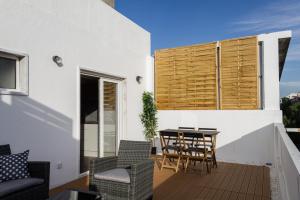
x=8, y=72
x=13, y=73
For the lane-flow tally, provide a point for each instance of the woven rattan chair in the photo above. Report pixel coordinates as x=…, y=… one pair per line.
x=37, y=169
x=126, y=176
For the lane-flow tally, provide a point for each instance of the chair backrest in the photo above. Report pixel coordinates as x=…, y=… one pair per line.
x=167, y=140
x=186, y=128
x=131, y=152
x=200, y=140
x=182, y=142
x=209, y=139
x=207, y=129
x=5, y=150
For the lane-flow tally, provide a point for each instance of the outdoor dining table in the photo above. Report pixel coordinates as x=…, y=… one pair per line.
x=190, y=135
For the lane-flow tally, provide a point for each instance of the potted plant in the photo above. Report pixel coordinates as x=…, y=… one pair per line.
x=149, y=119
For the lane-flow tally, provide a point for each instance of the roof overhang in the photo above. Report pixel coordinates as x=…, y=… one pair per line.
x=283, y=38
x=283, y=46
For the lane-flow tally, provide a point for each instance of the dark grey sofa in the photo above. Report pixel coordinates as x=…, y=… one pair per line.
x=34, y=188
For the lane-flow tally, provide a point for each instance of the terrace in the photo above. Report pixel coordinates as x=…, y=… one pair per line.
x=95, y=103
x=228, y=181
x=231, y=181
x=257, y=159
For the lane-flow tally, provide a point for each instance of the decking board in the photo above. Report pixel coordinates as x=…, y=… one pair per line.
x=227, y=182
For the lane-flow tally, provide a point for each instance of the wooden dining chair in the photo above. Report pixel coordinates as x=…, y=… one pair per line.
x=171, y=151
x=190, y=141
x=183, y=148
x=211, y=145
x=199, y=152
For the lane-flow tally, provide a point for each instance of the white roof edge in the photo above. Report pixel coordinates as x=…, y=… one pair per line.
x=116, y=12
x=278, y=35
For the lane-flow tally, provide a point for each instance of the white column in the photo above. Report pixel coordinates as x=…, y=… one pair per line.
x=270, y=71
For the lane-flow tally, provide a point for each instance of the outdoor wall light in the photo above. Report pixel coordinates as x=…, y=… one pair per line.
x=139, y=79
x=57, y=60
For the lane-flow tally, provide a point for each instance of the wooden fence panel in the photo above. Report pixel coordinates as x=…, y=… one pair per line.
x=186, y=78
x=239, y=74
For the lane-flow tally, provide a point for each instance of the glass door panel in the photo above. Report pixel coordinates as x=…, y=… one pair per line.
x=89, y=133
x=109, y=118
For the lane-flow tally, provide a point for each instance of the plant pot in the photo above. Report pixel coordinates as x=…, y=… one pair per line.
x=153, y=150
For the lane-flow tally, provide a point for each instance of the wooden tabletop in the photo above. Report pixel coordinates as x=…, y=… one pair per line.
x=188, y=133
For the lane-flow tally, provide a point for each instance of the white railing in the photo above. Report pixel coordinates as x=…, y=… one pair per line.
x=287, y=164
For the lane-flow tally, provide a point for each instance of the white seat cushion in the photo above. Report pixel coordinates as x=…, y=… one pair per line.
x=118, y=175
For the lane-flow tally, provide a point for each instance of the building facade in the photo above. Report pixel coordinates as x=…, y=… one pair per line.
x=42, y=112
x=69, y=89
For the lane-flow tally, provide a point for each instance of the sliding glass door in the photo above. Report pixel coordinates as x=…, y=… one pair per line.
x=99, y=119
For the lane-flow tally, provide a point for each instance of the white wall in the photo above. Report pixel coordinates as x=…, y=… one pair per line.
x=271, y=68
x=85, y=33
x=287, y=164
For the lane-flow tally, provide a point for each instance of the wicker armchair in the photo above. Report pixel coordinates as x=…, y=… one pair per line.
x=134, y=157
x=37, y=169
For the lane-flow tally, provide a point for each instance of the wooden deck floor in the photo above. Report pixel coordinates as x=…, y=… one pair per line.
x=227, y=182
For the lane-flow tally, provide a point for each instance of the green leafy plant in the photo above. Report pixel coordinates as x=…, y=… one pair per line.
x=148, y=117
x=291, y=113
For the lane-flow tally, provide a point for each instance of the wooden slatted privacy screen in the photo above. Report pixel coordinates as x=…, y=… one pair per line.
x=185, y=78
x=239, y=74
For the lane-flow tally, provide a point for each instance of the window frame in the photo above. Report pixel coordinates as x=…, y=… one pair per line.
x=22, y=73
x=17, y=59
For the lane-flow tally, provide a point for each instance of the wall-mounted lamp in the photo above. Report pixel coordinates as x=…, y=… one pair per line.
x=57, y=60
x=139, y=79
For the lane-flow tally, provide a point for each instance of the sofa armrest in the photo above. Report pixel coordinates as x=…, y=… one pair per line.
x=141, y=177
x=39, y=169
x=102, y=164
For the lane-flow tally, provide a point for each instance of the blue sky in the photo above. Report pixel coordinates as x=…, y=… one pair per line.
x=183, y=22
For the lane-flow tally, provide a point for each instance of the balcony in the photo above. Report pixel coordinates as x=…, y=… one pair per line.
x=229, y=180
